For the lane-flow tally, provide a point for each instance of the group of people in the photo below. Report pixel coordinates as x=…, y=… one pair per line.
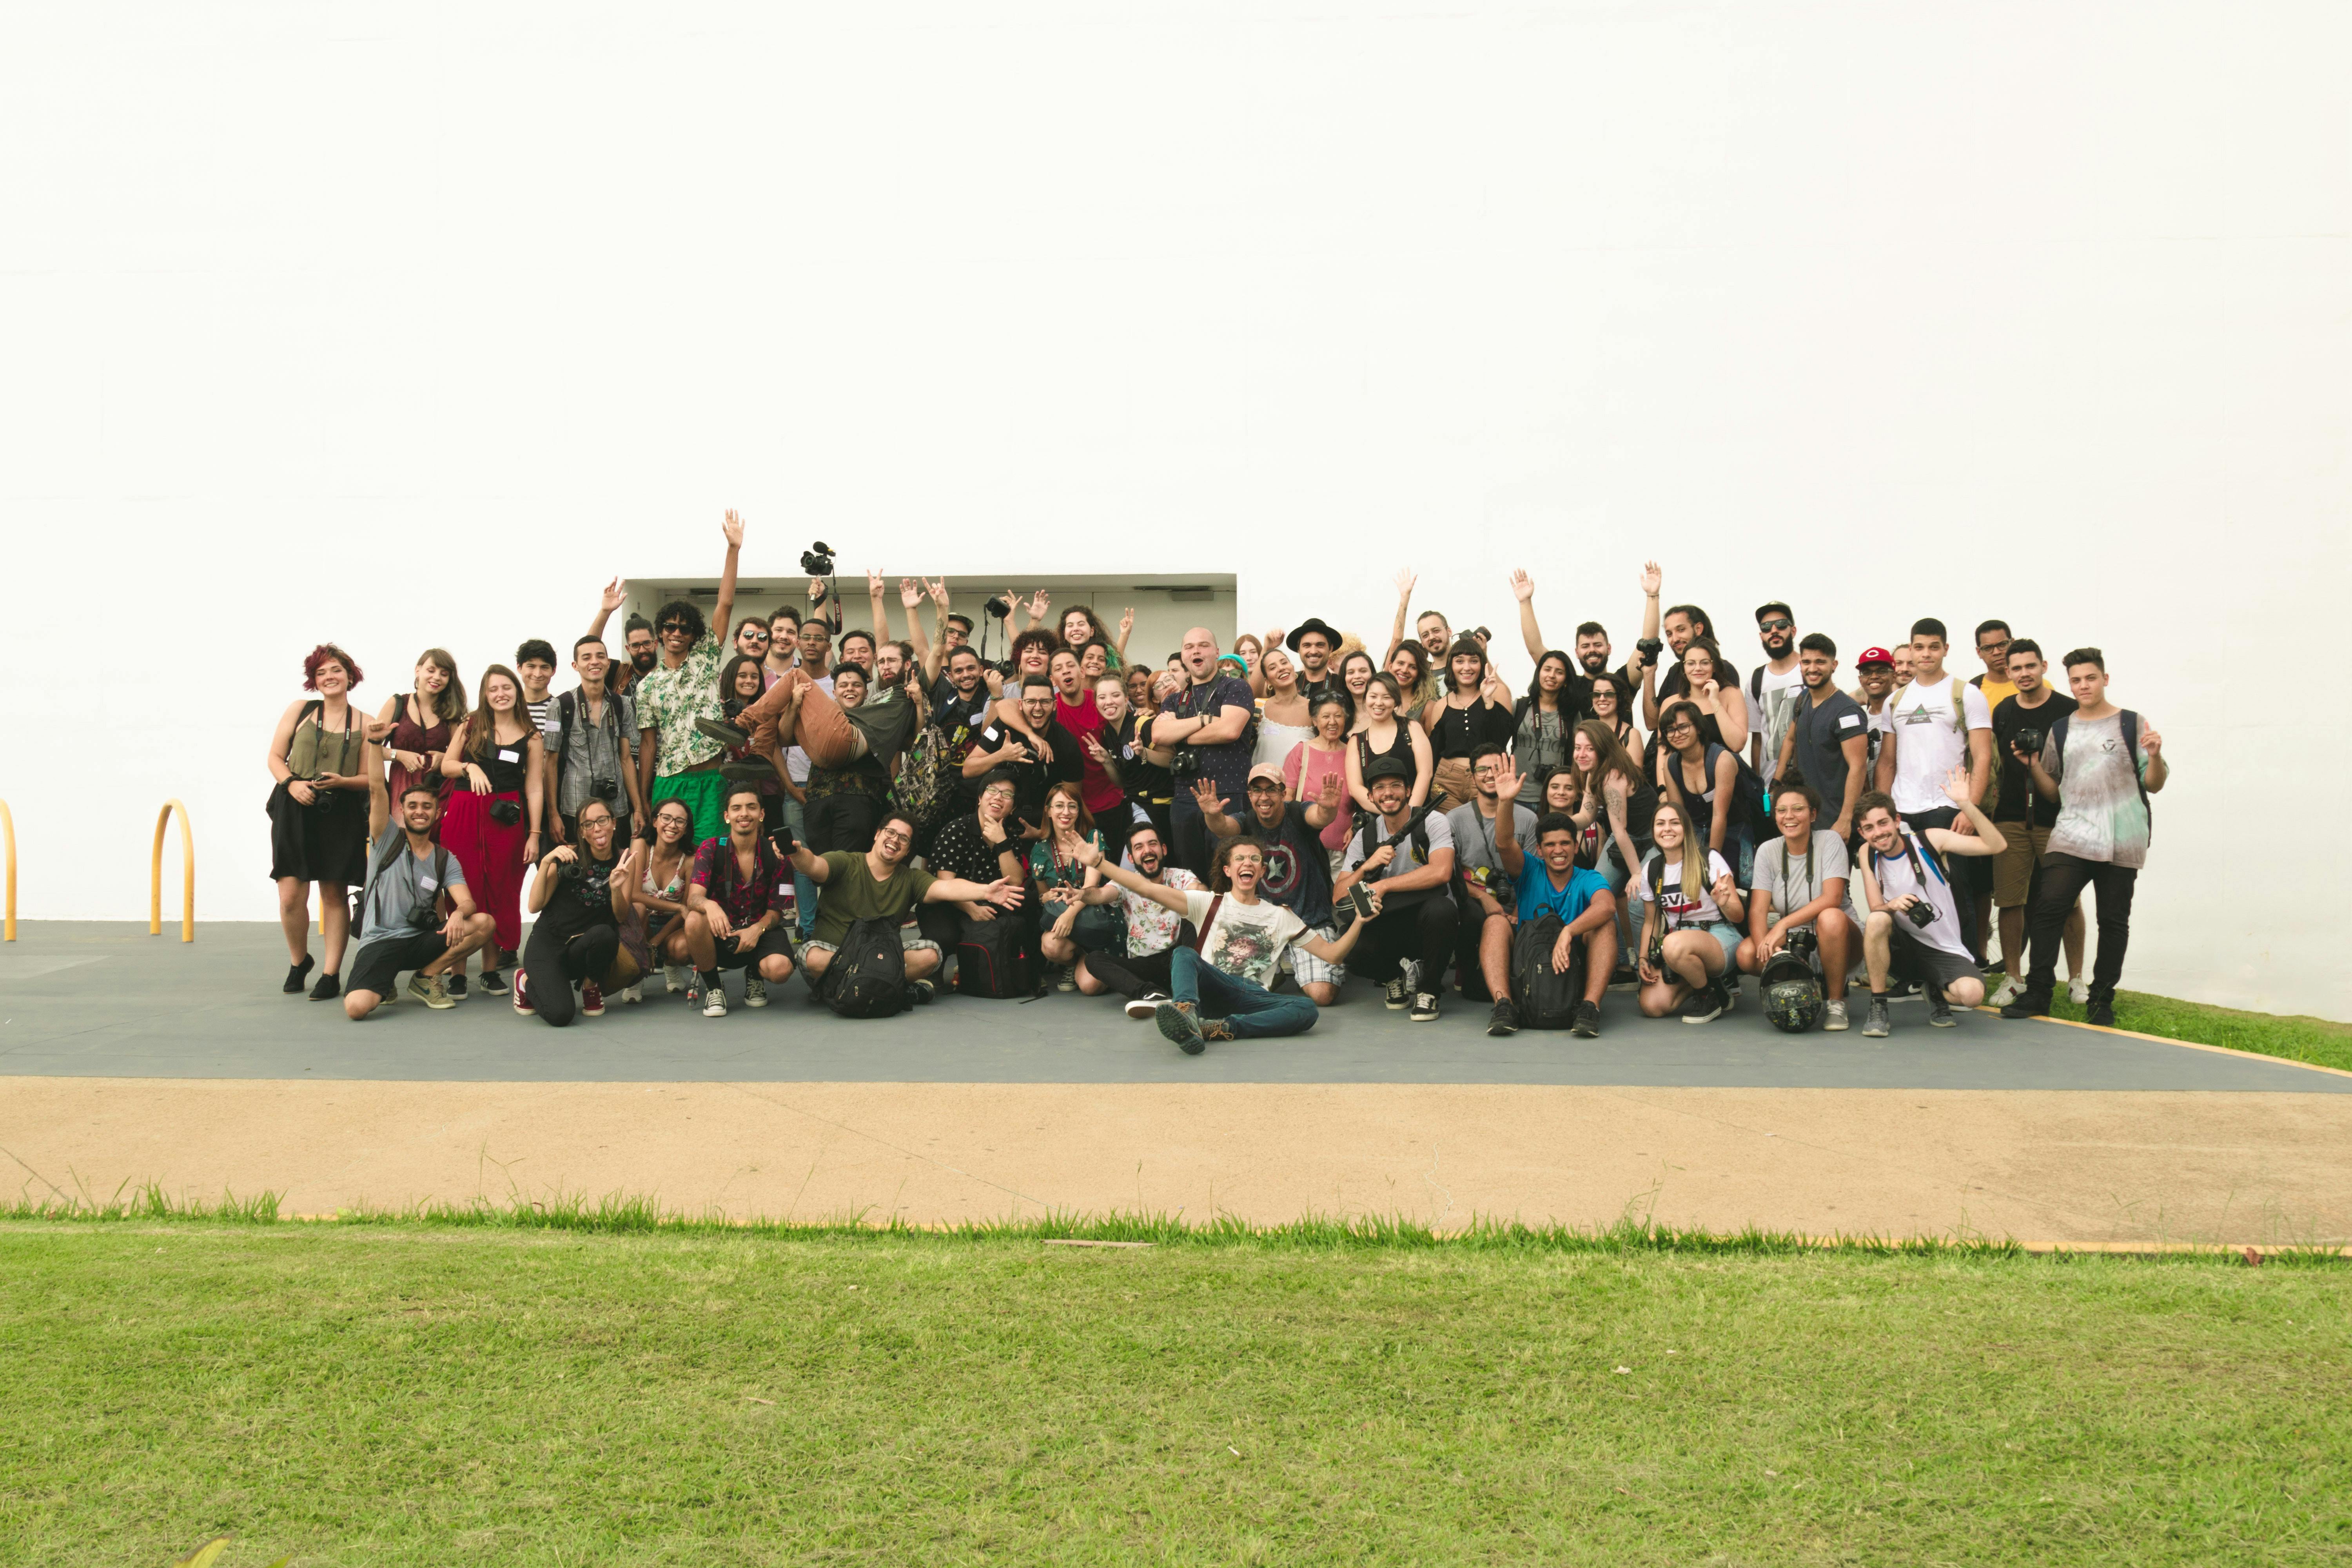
x=1217, y=839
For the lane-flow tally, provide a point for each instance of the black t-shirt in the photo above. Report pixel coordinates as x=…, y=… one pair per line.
x=582, y=898
x=1034, y=777
x=1821, y=731
x=1297, y=867
x=1147, y=782
x=2016, y=778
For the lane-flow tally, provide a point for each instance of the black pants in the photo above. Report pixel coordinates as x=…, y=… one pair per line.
x=844, y=821
x=2063, y=880
x=1191, y=843
x=551, y=965
x=1133, y=977
x=1423, y=931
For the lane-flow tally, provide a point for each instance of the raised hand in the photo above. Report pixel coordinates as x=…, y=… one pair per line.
x=910, y=592
x=939, y=591
x=817, y=590
x=616, y=593
x=2150, y=741
x=1724, y=889
x=1404, y=583
x=1328, y=795
x=1650, y=579
x=873, y=581
x=1273, y=637
x=1507, y=780
x=1089, y=853
x=1126, y=623
x=733, y=529
x=1955, y=787
x=377, y=729
x=1523, y=588
x=1038, y=602
x=1205, y=791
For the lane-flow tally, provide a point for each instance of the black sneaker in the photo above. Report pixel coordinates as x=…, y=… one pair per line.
x=454, y=983
x=1424, y=1007
x=746, y=773
x=720, y=730
x=493, y=981
x=1940, y=1015
x=329, y=986
x=923, y=990
x=1393, y=995
x=1704, y=1005
x=2027, y=1006
x=298, y=974
x=1626, y=977
x=2103, y=1014
x=1587, y=1024
x=1504, y=1019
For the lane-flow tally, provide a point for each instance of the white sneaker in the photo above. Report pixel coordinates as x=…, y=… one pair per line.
x=1145, y=1005
x=636, y=992
x=2010, y=990
x=1834, y=1015
x=677, y=977
x=2078, y=991
x=755, y=991
x=714, y=1000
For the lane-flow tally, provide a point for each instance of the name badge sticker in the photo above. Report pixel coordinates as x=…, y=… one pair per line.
x=784, y=889
x=427, y=882
x=508, y=755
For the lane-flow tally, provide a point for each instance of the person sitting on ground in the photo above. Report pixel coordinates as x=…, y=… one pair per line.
x=1468, y=717
x=734, y=917
x=1137, y=966
x=1689, y=942
x=401, y=925
x=1058, y=883
x=1914, y=928
x=1408, y=850
x=883, y=884
x=1296, y=873
x=1801, y=885
x=322, y=762
x=981, y=846
x=1552, y=883
x=581, y=895
x=1220, y=983
x=1493, y=837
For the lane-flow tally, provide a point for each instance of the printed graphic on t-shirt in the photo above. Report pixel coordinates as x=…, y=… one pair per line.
x=1282, y=871
x=1250, y=951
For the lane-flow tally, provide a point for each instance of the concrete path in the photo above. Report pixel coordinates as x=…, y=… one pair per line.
x=130, y=1058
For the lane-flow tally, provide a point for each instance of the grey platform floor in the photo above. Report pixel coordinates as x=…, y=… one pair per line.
x=106, y=1000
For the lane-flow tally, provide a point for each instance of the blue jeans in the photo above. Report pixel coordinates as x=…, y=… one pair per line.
x=1254, y=1012
x=804, y=890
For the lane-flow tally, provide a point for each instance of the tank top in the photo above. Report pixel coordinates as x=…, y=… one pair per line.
x=1400, y=748
x=1277, y=741
x=314, y=751
x=1460, y=730
x=408, y=735
x=668, y=891
x=507, y=778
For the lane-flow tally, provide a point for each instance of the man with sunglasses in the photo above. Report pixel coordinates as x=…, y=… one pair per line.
x=675, y=761
x=1773, y=688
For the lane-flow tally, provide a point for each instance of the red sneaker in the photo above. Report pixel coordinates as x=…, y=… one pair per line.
x=522, y=997
x=592, y=999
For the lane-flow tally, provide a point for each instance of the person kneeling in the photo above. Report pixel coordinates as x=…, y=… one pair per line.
x=1408, y=851
x=734, y=909
x=1800, y=894
x=1221, y=982
x=1557, y=892
x=408, y=875
x=580, y=897
x=1915, y=921
x=880, y=885
x=1687, y=938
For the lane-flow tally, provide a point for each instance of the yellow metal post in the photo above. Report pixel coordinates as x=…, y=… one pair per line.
x=8, y=831
x=187, y=874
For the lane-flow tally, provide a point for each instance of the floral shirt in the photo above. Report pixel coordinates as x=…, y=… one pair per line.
x=1152, y=928
x=670, y=700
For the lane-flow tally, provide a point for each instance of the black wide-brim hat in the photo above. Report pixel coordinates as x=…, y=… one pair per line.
x=1313, y=624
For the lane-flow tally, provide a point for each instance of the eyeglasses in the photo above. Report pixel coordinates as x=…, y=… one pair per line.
x=895, y=836
x=2001, y=646
x=1777, y=624
x=1681, y=727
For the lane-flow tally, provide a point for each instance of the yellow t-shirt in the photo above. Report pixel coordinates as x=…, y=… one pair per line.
x=1994, y=690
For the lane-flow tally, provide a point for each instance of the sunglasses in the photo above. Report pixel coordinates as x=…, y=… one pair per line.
x=670, y=626
x=1778, y=624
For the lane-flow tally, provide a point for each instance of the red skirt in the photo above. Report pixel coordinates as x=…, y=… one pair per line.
x=491, y=853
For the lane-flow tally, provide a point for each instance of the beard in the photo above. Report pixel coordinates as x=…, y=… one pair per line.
x=1594, y=663
x=1778, y=649
x=643, y=663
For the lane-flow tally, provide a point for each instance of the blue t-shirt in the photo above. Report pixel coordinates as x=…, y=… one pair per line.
x=1536, y=894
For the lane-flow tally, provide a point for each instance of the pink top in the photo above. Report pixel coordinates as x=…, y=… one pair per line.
x=1317, y=763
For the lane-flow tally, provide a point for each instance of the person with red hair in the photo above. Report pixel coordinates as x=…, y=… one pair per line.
x=319, y=760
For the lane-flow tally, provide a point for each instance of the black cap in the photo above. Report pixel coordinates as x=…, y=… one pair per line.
x=1385, y=767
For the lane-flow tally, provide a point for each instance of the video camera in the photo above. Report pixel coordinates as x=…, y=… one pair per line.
x=817, y=560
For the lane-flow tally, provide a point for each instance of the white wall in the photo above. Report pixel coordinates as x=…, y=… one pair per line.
x=404, y=323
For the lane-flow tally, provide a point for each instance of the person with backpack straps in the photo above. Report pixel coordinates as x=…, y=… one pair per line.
x=580, y=895
x=320, y=761
x=1913, y=908
x=883, y=885
x=2100, y=764
x=1407, y=850
x=1560, y=928
x=1774, y=689
x=401, y=924
x=595, y=749
x=1933, y=725
x=1713, y=785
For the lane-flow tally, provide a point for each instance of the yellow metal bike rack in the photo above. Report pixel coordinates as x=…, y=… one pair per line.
x=8, y=831
x=187, y=876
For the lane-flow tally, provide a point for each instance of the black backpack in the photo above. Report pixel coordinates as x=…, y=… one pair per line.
x=992, y=959
x=867, y=977
x=1418, y=831
x=1546, y=998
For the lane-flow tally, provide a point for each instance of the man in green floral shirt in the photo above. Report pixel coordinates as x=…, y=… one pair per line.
x=676, y=762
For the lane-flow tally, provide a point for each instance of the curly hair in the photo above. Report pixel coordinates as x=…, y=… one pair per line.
x=324, y=654
x=1220, y=881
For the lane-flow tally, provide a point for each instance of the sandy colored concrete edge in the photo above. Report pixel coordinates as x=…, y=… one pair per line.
x=2058, y=1167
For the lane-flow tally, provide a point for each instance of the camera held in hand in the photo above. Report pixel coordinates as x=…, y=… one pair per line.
x=322, y=799
x=998, y=607
x=2029, y=741
x=817, y=560
x=1920, y=913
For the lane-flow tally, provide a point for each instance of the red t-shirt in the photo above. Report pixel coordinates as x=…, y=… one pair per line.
x=1083, y=719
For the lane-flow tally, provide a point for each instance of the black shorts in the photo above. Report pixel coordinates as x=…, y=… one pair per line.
x=775, y=940
x=1910, y=958
x=377, y=967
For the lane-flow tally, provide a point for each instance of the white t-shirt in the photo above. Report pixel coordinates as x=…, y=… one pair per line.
x=1682, y=910
x=1896, y=879
x=1246, y=939
x=1772, y=708
x=1928, y=740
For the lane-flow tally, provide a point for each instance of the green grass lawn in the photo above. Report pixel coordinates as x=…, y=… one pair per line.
x=2299, y=1038
x=413, y=1393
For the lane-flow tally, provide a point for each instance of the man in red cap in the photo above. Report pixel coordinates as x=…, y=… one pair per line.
x=1877, y=679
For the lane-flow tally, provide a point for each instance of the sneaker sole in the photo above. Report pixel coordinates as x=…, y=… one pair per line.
x=1835, y=1025
x=1704, y=1017
x=592, y=1012
x=1393, y=1006
x=1182, y=1031
x=1499, y=1030
x=1584, y=1031
x=1941, y=1021
x=755, y=1000
x=1138, y=1011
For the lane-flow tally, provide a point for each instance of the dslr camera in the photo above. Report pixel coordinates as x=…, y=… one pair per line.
x=606, y=790
x=1920, y=913
x=2029, y=739
x=998, y=607
x=817, y=560
x=1803, y=942
x=506, y=813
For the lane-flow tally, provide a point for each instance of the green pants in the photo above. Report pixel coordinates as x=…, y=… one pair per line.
x=703, y=794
